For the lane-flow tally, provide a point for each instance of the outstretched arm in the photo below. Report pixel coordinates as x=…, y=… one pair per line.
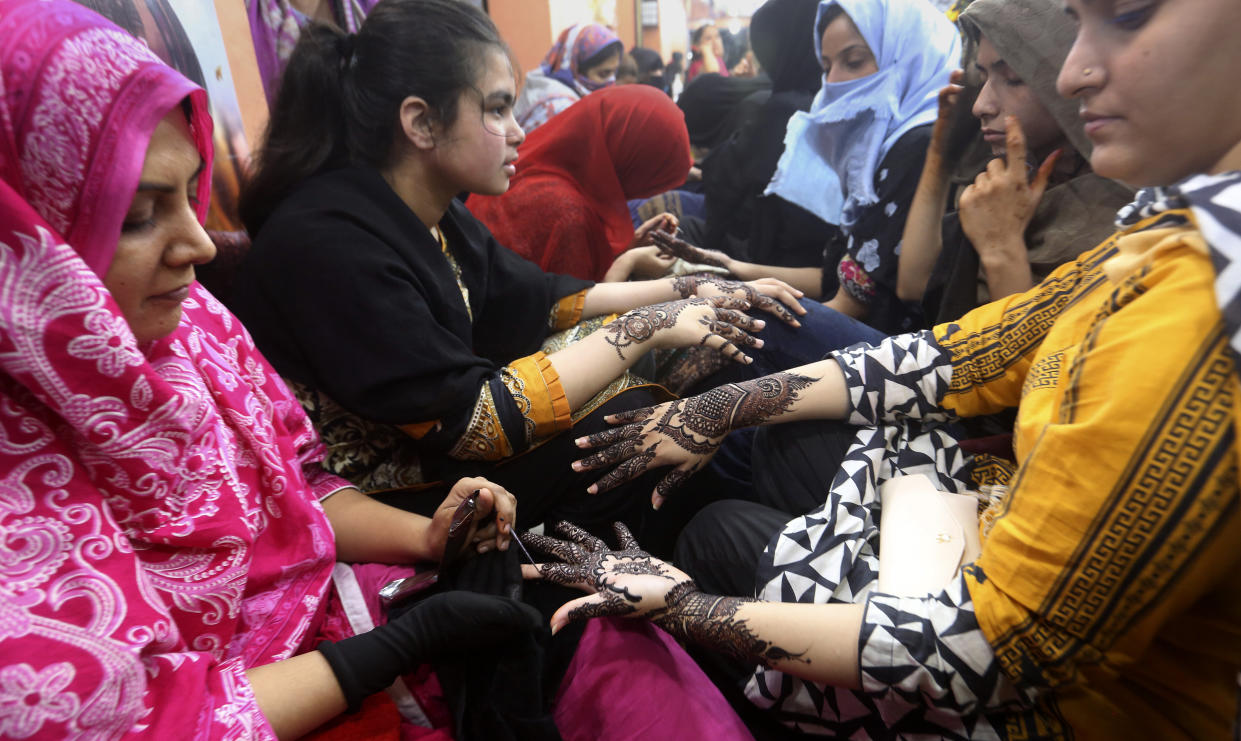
x=816, y=642
x=808, y=280
x=685, y=433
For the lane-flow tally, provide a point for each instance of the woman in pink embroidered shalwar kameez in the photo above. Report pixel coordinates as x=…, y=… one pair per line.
x=168, y=537
x=167, y=531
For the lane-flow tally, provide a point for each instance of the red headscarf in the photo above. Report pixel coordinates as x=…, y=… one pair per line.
x=162, y=498
x=566, y=206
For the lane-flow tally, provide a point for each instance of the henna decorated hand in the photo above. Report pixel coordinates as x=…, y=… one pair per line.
x=672, y=246
x=768, y=294
x=718, y=322
x=645, y=234
x=633, y=583
x=627, y=581
x=684, y=433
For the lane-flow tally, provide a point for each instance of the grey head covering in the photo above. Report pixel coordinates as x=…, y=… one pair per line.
x=1033, y=37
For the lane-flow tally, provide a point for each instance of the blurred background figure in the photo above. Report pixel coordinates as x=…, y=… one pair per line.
x=584, y=59
x=650, y=67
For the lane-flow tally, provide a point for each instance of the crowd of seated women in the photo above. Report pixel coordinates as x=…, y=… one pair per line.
x=507, y=366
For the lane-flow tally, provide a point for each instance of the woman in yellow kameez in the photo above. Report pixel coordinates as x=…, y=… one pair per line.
x=1106, y=601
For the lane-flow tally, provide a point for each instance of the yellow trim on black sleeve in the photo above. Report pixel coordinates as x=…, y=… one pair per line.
x=535, y=386
x=484, y=438
x=567, y=311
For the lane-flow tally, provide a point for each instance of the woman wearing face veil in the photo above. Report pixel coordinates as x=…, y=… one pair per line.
x=738, y=221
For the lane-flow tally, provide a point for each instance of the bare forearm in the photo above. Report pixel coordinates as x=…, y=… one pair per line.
x=922, y=240
x=587, y=366
x=814, y=642
x=368, y=531
x=847, y=305
x=807, y=280
x=617, y=298
x=1007, y=269
x=298, y=694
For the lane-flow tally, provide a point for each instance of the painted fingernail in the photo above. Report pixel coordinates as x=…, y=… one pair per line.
x=556, y=626
x=592, y=489
x=759, y=343
x=577, y=465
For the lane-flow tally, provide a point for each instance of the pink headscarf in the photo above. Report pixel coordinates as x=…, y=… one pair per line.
x=160, y=502
x=80, y=100
x=575, y=45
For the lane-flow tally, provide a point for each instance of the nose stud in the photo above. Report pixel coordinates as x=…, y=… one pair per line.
x=1087, y=72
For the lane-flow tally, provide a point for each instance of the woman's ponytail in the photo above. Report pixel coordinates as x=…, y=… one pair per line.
x=306, y=129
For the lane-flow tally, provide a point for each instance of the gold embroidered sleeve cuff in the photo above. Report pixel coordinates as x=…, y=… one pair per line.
x=534, y=384
x=567, y=311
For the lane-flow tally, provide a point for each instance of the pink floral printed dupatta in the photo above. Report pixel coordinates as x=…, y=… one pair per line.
x=160, y=530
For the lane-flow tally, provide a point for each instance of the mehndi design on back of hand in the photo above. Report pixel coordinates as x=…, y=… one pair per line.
x=640, y=324
x=687, y=613
x=688, y=285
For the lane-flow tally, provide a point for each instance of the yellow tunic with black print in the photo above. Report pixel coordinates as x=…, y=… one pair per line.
x=1111, y=573
x=1106, y=602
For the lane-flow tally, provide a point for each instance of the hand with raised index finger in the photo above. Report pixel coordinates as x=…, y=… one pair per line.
x=996, y=209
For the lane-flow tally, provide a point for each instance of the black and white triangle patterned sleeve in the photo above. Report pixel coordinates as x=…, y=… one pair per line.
x=929, y=653
x=903, y=377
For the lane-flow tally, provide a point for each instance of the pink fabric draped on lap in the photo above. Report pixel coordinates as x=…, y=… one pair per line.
x=629, y=681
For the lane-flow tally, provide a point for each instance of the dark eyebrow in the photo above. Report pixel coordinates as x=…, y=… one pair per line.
x=500, y=97
x=164, y=187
